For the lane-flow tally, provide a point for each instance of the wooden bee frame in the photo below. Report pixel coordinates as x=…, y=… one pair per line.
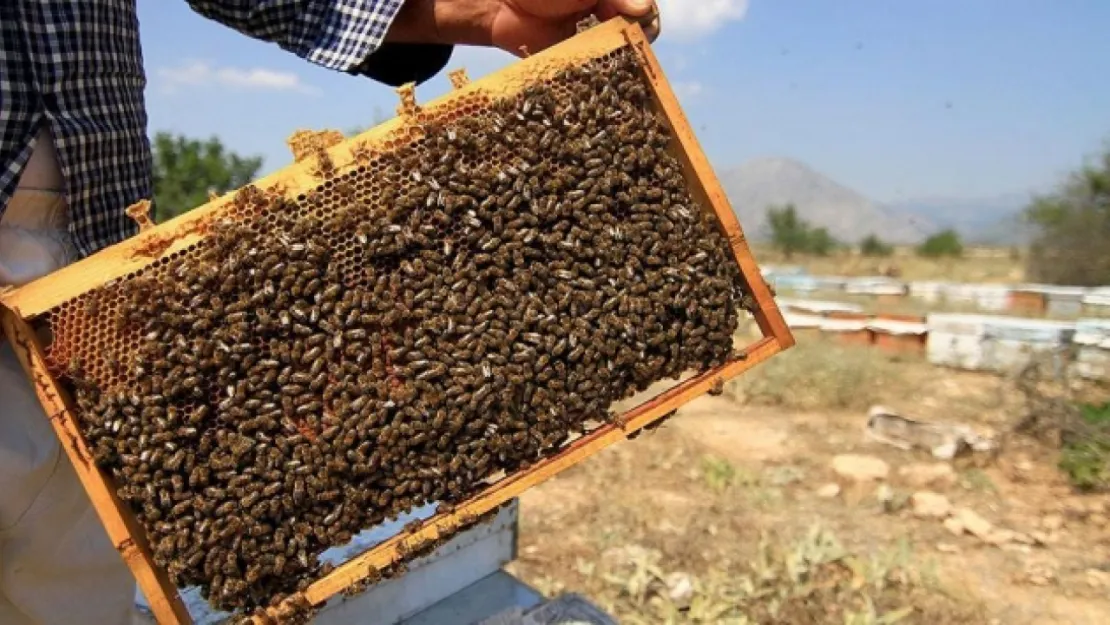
x=23, y=306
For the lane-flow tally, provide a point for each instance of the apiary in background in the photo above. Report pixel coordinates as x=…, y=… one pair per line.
x=310, y=344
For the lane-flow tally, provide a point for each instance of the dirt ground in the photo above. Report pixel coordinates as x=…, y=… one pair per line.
x=733, y=513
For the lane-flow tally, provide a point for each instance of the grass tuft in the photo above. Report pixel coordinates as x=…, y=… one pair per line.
x=818, y=374
x=812, y=580
x=1086, y=459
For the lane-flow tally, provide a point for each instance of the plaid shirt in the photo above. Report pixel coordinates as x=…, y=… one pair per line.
x=77, y=66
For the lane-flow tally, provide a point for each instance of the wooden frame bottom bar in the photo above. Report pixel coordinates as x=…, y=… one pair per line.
x=361, y=567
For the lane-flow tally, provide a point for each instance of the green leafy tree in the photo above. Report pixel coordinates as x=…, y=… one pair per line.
x=789, y=233
x=941, y=244
x=820, y=243
x=187, y=170
x=872, y=245
x=1071, y=243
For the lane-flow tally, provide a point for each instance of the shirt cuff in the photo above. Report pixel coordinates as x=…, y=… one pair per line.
x=341, y=34
x=398, y=63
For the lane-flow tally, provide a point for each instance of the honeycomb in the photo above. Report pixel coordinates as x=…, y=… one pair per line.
x=455, y=306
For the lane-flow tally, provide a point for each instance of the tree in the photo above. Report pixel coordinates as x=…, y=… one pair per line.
x=789, y=233
x=872, y=245
x=1071, y=242
x=187, y=170
x=820, y=243
x=943, y=243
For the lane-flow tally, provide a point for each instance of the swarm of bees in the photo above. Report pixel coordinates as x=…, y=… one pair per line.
x=520, y=271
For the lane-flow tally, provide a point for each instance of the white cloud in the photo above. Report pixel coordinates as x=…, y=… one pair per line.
x=685, y=19
x=689, y=89
x=199, y=73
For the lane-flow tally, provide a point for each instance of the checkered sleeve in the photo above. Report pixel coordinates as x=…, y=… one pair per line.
x=336, y=34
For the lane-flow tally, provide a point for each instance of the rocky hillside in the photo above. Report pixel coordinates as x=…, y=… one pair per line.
x=849, y=215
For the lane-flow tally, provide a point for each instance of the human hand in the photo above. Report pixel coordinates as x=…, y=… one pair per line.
x=508, y=24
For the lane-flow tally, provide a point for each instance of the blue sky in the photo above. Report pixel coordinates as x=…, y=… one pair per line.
x=896, y=99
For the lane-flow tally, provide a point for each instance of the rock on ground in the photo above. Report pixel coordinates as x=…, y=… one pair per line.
x=973, y=524
x=860, y=468
x=930, y=505
x=928, y=475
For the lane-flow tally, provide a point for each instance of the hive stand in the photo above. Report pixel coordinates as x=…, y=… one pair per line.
x=25, y=310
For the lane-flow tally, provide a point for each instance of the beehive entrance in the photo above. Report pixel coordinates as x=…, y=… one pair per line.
x=450, y=307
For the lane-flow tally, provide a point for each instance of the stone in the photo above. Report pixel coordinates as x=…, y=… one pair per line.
x=1039, y=579
x=1076, y=508
x=1097, y=578
x=1039, y=573
x=999, y=537
x=680, y=589
x=885, y=494
x=928, y=475
x=1044, y=538
x=890, y=500
x=930, y=505
x=947, y=548
x=954, y=525
x=860, y=468
x=1052, y=522
x=829, y=491
x=973, y=523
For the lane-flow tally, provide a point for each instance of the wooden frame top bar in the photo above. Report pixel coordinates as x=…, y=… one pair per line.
x=132, y=255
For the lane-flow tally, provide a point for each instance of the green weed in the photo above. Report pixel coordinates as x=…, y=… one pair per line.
x=1085, y=458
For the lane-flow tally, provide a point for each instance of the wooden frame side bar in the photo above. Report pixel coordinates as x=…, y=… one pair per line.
x=700, y=172
x=122, y=527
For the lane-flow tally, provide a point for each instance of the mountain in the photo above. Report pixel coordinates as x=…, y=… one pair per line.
x=848, y=215
x=986, y=220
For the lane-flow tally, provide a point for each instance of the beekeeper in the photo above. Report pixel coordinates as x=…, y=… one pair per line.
x=74, y=154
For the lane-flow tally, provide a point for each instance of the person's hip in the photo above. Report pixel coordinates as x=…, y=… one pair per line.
x=34, y=237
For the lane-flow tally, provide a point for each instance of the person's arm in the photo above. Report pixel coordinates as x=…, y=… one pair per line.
x=399, y=41
x=344, y=35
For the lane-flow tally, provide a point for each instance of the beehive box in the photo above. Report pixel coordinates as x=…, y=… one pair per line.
x=995, y=343
x=441, y=309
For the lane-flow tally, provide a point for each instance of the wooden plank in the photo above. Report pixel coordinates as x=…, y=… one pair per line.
x=708, y=188
x=177, y=234
x=122, y=527
x=387, y=553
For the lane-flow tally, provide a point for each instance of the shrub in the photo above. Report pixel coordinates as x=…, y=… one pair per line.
x=872, y=245
x=944, y=243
